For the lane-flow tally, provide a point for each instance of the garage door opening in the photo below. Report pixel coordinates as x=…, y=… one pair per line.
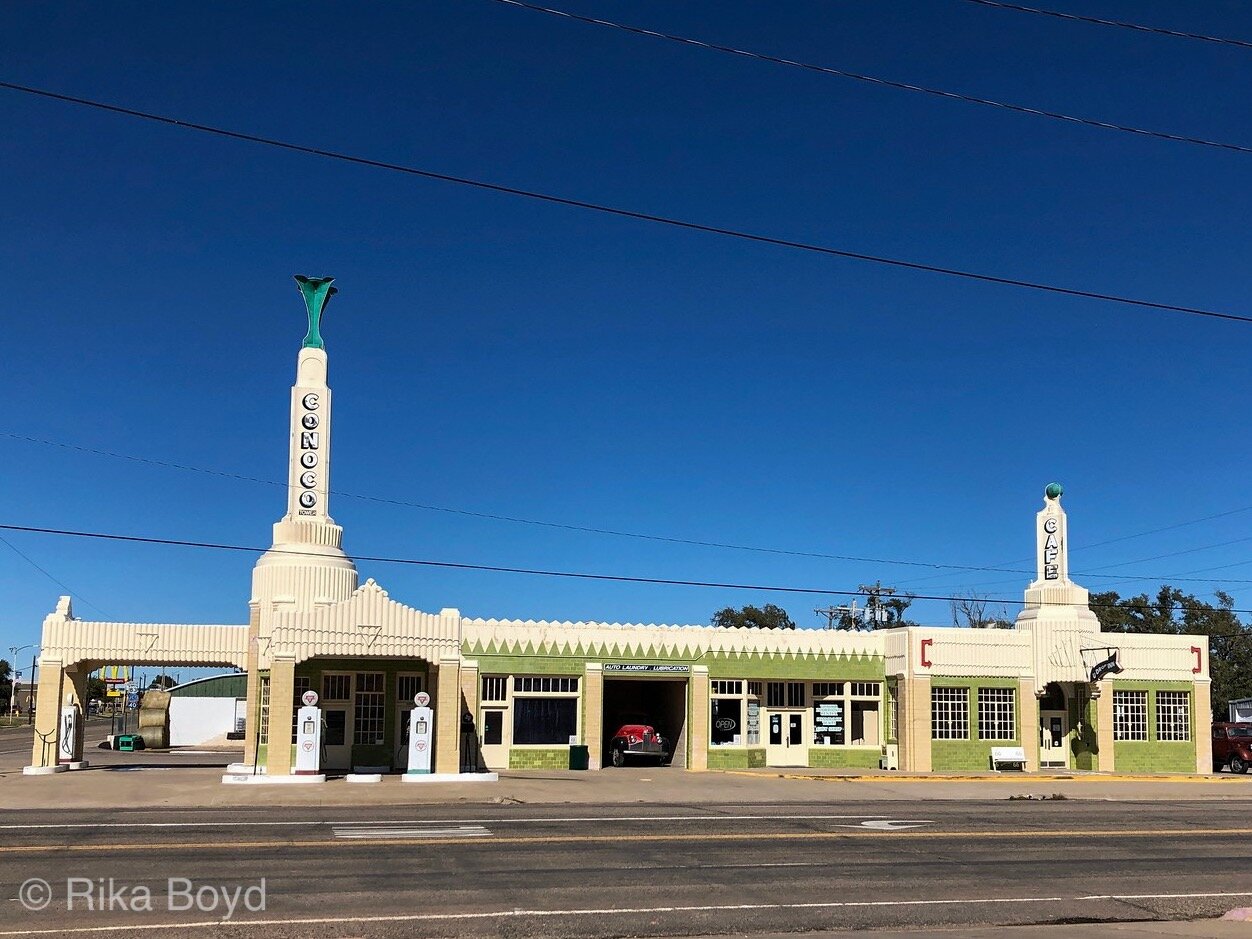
x=663, y=704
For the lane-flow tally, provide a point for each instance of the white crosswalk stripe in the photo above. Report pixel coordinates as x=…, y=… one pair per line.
x=376, y=832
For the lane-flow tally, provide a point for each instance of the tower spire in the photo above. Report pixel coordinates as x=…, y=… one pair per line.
x=306, y=564
x=1052, y=539
x=308, y=483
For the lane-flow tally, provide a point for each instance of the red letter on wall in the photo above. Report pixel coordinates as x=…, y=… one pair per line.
x=926, y=643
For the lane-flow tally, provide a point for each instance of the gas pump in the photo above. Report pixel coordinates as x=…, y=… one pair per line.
x=421, y=734
x=67, y=740
x=308, y=736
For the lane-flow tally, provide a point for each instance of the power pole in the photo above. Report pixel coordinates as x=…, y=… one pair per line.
x=874, y=597
x=839, y=614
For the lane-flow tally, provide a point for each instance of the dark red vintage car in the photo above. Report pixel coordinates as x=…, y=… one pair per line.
x=1232, y=744
x=634, y=742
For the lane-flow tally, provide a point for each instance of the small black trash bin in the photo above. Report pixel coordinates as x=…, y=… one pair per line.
x=578, y=756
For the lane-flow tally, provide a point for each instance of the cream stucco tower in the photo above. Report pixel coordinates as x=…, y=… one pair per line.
x=306, y=567
x=1057, y=610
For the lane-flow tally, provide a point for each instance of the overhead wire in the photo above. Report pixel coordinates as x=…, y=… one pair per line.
x=510, y=518
x=60, y=583
x=946, y=568
x=884, y=82
x=493, y=568
x=666, y=220
x=1120, y=24
x=1119, y=538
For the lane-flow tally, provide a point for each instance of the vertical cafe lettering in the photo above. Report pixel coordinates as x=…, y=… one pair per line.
x=1051, y=550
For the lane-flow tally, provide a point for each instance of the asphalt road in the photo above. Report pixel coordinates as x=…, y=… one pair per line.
x=624, y=870
x=15, y=750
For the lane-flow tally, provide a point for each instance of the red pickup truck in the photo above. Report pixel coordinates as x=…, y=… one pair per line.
x=1232, y=744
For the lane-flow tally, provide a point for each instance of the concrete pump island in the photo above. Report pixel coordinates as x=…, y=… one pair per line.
x=340, y=678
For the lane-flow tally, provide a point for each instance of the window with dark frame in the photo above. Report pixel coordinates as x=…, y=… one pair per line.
x=367, y=721
x=407, y=687
x=544, y=720
x=336, y=687
x=727, y=721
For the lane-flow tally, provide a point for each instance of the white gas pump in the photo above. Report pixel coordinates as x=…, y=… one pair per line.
x=421, y=734
x=308, y=736
x=67, y=740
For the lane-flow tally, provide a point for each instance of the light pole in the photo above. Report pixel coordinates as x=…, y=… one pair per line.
x=13, y=651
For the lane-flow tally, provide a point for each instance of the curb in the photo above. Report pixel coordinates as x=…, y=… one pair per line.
x=1016, y=778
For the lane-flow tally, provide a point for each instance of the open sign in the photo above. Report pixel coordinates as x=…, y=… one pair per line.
x=724, y=723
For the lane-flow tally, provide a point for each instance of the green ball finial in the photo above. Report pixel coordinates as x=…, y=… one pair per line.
x=1054, y=490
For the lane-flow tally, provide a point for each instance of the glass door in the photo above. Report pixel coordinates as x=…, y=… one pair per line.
x=1053, y=738
x=785, y=741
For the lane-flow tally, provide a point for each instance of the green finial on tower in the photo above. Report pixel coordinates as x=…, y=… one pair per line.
x=316, y=292
x=1054, y=491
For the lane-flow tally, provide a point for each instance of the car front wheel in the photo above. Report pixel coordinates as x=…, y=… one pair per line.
x=1238, y=765
x=619, y=758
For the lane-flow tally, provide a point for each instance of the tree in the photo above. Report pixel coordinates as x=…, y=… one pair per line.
x=6, y=684
x=766, y=617
x=884, y=608
x=1173, y=612
x=162, y=683
x=969, y=610
x=96, y=689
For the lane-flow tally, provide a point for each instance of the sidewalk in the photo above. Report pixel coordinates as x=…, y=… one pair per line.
x=150, y=782
x=1048, y=775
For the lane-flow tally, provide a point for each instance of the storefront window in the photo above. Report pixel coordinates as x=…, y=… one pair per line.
x=1173, y=715
x=544, y=720
x=828, y=722
x=727, y=722
x=1130, y=715
x=845, y=713
x=754, y=721
x=949, y=713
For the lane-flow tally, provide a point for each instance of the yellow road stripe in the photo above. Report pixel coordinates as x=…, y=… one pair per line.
x=115, y=847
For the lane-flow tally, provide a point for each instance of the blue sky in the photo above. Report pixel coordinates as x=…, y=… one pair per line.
x=501, y=356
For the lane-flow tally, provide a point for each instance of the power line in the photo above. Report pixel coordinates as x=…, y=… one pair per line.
x=60, y=583
x=586, y=529
x=1120, y=538
x=491, y=568
x=1121, y=24
x=884, y=82
x=1174, y=554
x=629, y=213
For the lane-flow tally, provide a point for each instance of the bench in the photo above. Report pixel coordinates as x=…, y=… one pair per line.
x=1008, y=755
